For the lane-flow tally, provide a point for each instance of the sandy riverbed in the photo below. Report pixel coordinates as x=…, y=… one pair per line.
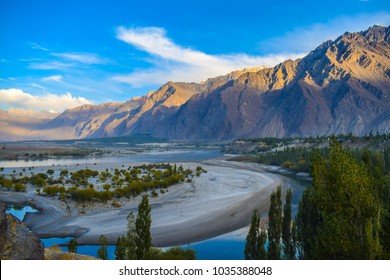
x=217, y=202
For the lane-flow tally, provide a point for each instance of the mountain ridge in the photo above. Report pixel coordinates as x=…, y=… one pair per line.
x=343, y=86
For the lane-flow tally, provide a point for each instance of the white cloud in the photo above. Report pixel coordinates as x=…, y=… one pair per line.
x=174, y=62
x=16, y=98
x=54, y=78
x=307, y=38
x=85, y=58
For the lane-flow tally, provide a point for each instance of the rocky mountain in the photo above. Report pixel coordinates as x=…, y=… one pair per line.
x=100, y=120
x=137, y=114
x=342, y=86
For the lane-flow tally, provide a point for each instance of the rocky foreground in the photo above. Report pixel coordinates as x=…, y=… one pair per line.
x=16, y=241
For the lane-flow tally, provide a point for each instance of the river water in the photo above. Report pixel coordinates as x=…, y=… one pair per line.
x=152, y=157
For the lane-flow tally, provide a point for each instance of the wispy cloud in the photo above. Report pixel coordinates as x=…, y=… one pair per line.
x=38, y=86
x=51, y=65
x=54, y=78
x=84, y=58
x=64, y=61
x=16, y=98
x=178, y=63
x=38, y=47
x=307, y=38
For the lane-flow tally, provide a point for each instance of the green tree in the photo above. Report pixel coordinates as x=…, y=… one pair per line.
x=175, y=253
x=287, y=238
x=275, y=224
x=307, y=221
x=142, y=225
x=72, y=246
x=120, y=248
x=339, y=217
x=64, y=173
x=102, y=251
x=131, y=238
x=19, y=187
x=255, y=240
x=136, y=244
x=251, y=249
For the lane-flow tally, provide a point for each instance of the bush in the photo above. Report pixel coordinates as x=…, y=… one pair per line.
x=287, y=164
x=19, y=187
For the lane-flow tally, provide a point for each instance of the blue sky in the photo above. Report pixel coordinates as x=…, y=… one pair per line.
x=56, y=55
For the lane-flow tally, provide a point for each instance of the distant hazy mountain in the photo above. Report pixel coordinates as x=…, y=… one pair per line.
x=18, y=124
x=342, y=86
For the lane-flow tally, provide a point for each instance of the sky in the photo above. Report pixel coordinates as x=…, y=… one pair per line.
x=56, y=55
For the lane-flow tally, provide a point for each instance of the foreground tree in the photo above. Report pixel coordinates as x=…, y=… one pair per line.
x=339, y=217
x=255, y=240
x=131, y=238
x=102, y=251
x=136, y=244
x=72, y=246
x=142, y=227
x=175, y=253
x=275, y=225
x=120, y=248
x=289, y=248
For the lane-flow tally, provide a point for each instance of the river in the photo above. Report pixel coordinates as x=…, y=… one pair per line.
x=152, y=157
x=224, y=247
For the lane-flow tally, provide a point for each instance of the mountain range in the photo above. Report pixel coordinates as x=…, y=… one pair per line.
x=342, y=86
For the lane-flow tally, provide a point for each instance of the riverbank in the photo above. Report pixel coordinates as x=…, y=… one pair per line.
x=217, y=202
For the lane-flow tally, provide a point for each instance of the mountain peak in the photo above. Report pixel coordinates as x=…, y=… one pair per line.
x=376, y=33
x=340, y=87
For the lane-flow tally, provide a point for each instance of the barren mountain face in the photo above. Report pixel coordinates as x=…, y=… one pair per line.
x=342, y=86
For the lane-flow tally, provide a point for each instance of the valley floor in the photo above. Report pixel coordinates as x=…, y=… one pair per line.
x=216, y=202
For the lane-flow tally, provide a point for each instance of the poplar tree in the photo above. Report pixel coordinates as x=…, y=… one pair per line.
x=262, y=241
x=130, y=240
x=275, y=225
x=102, y=251
x=142, y=226
x=287, y=238
x=120, y=248
x=251, y=245
x=255, y=240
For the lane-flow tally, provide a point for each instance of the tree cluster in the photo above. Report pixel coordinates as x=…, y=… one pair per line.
x=345, y=215
x=280, y=234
